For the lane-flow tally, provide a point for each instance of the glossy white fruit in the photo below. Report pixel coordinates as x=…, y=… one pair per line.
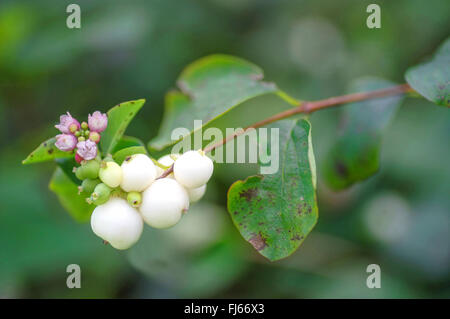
x=138, y=173
x=193, y=169
x=195, y=194
x=163, y=203
x=117, y=222
x=166, y=160
x=111, y=174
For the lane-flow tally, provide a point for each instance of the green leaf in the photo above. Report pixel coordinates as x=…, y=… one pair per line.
x=210, y=87
x=121, y=155
x=275, y=212
x=67, y=165
x=47, y=151
x=67, y=193
x=355, y=154
x=127, y=141
x=118, y=119
x=432, y=79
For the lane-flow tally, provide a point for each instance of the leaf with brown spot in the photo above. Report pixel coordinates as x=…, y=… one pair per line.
x=258, y=242
x=47, y=151
x=268, y=205
x=355, y=154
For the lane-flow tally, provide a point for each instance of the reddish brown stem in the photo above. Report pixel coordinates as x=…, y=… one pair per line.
x=310, y=107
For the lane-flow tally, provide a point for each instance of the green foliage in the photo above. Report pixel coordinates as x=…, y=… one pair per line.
x=47, y=69
x=67, y=165
x=118, y=119
x=121, y=155
x=275, y=212
x=210, y=87
x=127, y=141
x=432, y=79
x=47, y=151
x=355, y=154
x=67, y=192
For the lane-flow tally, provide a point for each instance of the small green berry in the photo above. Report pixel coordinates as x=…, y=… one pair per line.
x=101, y=194
x=134, y=199
x=88, y=185
x=80, y=173
x=110, y=173
x=91, y=169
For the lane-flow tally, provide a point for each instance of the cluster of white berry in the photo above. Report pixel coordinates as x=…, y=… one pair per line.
x=133, y=193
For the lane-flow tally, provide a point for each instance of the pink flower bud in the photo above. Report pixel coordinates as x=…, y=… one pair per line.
x=67, y=124
x=97, y=121
x=78, y=158
x=87, y=150
x=65, y=142
x=94, y=137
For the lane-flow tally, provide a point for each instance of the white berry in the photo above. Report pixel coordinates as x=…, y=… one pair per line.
x=163, y=203
x=195, y=194
x=111, y=174
x=193, y=169
x=138, y=173
x=118, y=223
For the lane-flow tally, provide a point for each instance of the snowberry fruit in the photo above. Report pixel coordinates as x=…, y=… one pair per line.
x=101, y=194
x=90, y=169
x=88, y=185
x=138, y=173
x=195, y=194
x=111, y=174
x=117, y=222
x=193, y=169
x=163, y=203
x=134, y=199
x=79, y=173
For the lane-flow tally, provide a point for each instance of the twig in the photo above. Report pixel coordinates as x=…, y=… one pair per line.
x=310, y=107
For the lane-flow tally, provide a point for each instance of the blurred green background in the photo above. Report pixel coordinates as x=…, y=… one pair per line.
x=398, y=219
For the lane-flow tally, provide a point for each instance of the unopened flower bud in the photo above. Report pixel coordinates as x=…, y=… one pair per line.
x=67, y=123
x=73, y=128
x=86, y=149
x=78, y=158
x=65, y=142
x=94, y=137
x=86, y=133
x=98, y=121
x=134, y=199
x=81, y=139
x=84, y=125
